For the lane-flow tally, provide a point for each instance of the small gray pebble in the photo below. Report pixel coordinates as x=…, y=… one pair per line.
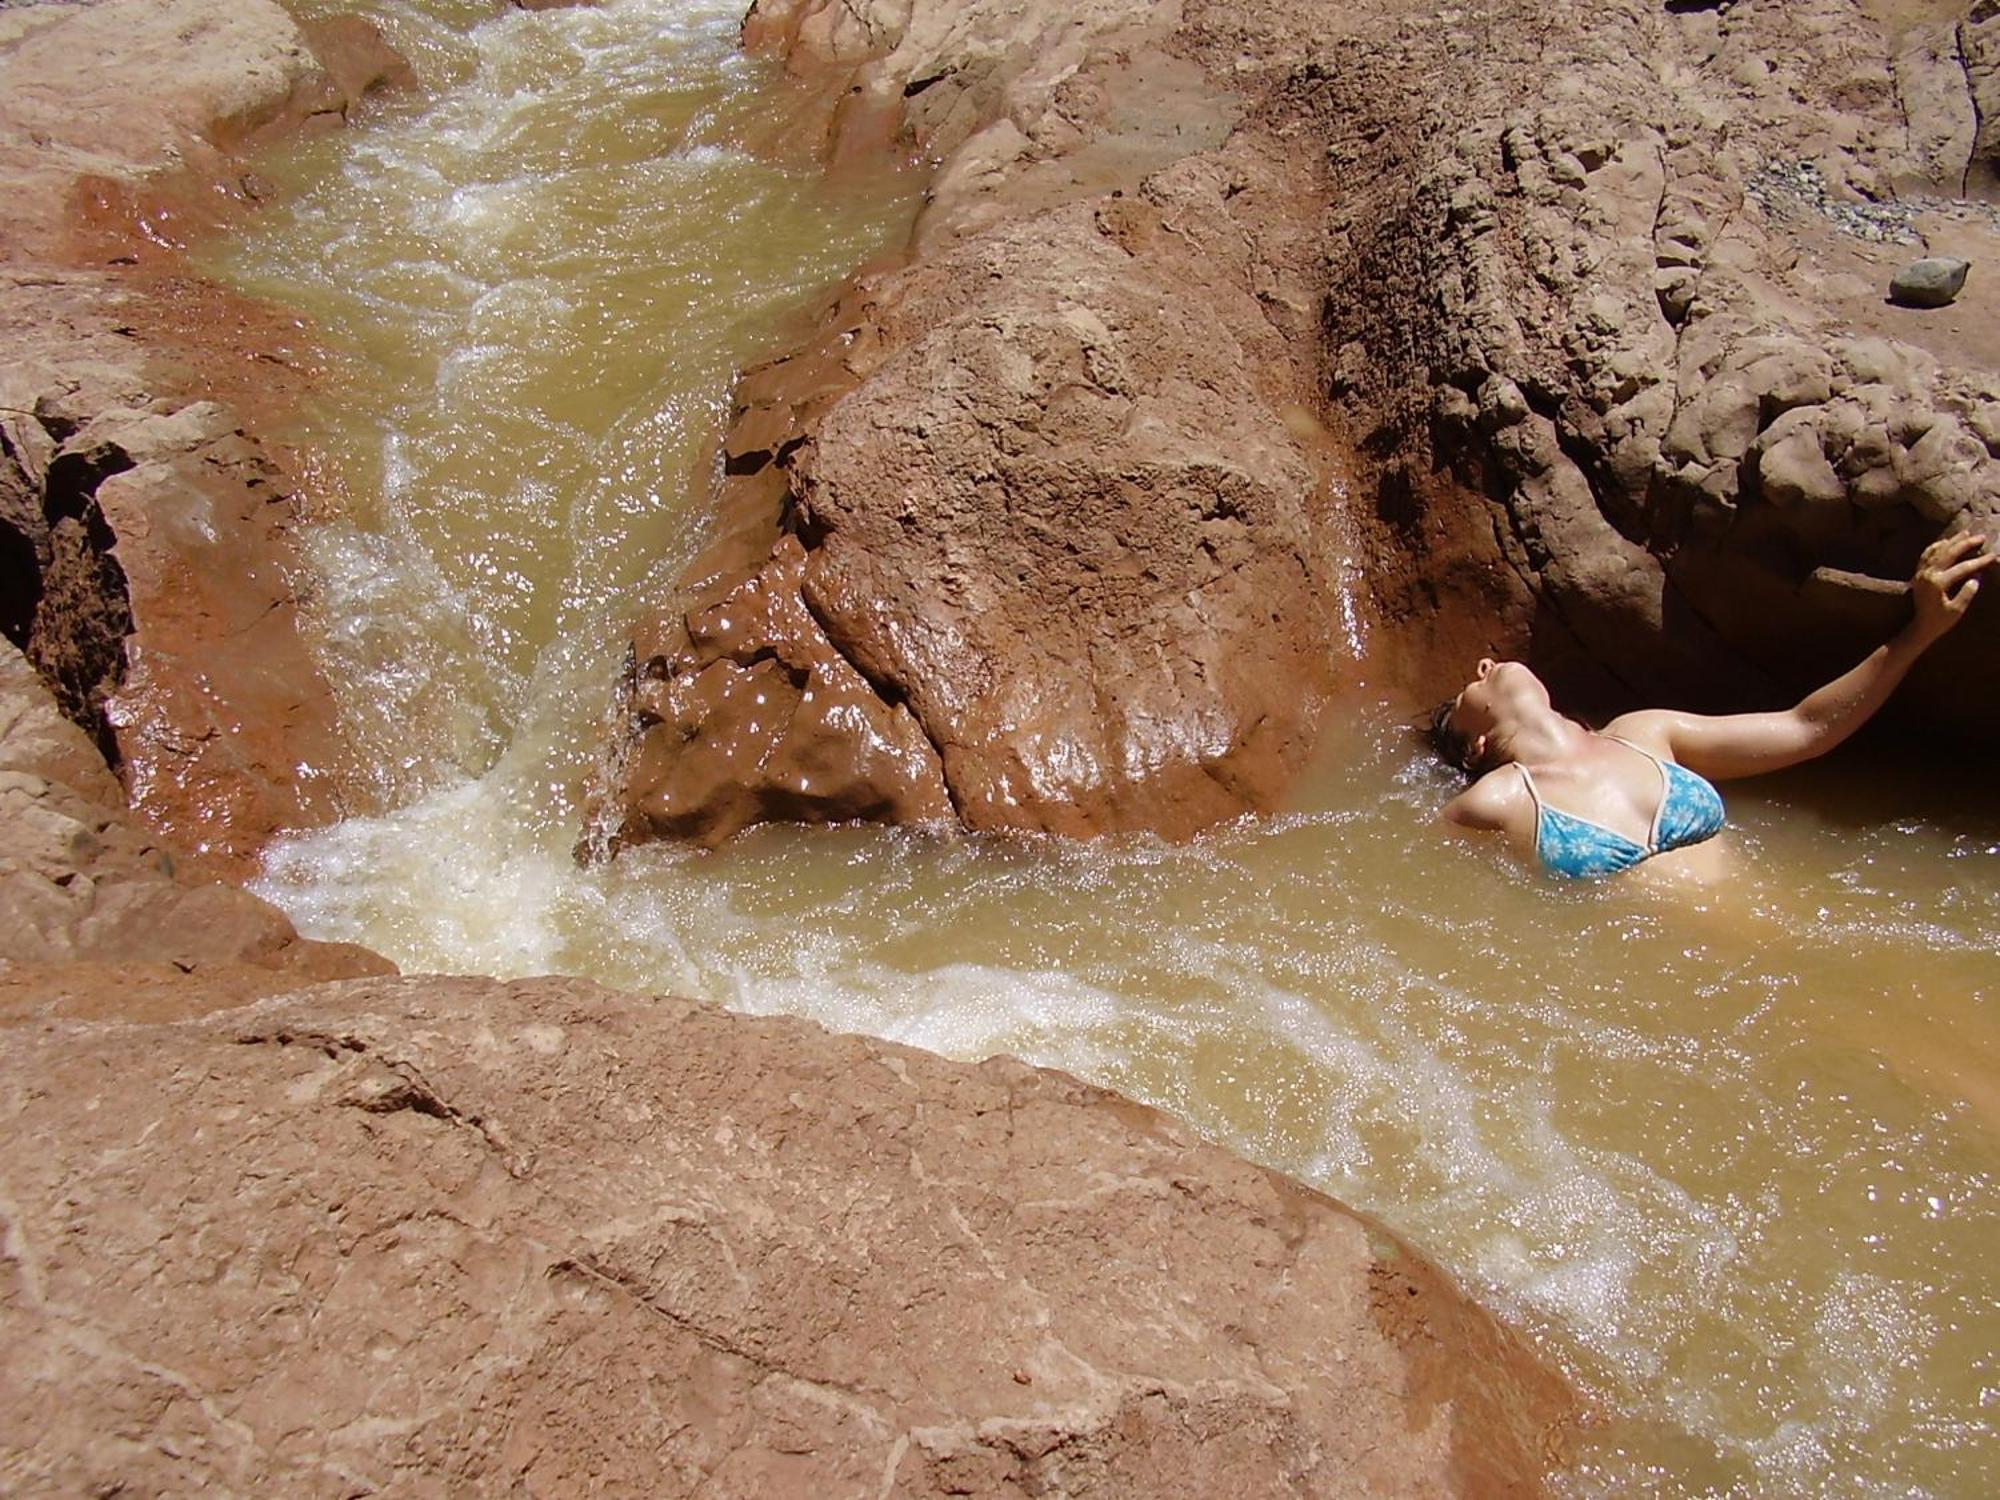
x=1931, y=282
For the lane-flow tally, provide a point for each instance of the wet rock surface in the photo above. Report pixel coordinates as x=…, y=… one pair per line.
x=1056, y=550
x=145, y=532
x=97, y=915
x=752, y=716
x=427, y=1236
x=1049, y=481
x=1071, y=532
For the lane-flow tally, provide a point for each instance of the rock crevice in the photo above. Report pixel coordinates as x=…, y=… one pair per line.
x=1715, y=405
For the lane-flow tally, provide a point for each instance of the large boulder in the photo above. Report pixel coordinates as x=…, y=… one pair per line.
x=1058, y=518
x=1063, y=529
x=420, y=1237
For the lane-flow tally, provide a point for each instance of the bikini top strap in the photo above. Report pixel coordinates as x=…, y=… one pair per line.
x=1533, y=790
x=1666, y=785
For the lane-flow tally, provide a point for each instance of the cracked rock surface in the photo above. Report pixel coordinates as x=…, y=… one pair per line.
x=429, y=1236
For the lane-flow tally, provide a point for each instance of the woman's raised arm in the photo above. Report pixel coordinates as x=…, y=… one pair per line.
x=1719, y=746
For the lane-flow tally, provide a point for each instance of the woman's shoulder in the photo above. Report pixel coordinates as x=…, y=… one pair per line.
x=1499, y=799
x=1649, y=729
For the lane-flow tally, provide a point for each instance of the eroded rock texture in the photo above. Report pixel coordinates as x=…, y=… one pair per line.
x=417, y=1237
x=1639, y=307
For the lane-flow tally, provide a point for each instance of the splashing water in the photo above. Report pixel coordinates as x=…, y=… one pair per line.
x=1730, y=1157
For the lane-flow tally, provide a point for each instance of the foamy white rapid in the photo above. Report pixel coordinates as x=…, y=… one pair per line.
x=1729, y=1156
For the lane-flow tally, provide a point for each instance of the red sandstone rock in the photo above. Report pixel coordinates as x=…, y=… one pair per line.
x=144, y=534
x=458, y=1236
x=1601, y=321
x=1607, y=329
x=455, y=1236
x=757, y=718
x=356, y=58
x=1066, y=525
x=95, y=911
x=1046, y=480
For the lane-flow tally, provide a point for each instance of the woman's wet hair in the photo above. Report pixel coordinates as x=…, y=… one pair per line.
x=1448, y=742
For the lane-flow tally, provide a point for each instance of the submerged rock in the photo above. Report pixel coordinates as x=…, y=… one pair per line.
x=460, y=1236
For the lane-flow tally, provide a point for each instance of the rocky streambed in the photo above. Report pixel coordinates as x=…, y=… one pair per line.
x=827, y=1262
x=1237, y=353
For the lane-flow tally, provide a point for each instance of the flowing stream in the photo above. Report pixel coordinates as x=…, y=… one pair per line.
x=1729, y=1158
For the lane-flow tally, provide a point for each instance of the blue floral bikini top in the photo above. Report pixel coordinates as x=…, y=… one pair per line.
x=1690, y=811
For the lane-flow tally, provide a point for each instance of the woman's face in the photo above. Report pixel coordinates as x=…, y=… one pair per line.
x=1498, y=690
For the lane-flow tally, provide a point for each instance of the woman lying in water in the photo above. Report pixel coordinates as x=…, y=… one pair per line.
x=1595, y=802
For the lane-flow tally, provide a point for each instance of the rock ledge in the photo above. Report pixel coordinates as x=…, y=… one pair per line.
x=429, y=1236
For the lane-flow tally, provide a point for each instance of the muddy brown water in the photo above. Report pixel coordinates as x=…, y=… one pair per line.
x=1730, y=1156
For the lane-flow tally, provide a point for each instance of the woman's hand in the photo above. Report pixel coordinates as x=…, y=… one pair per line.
x=1746, y=744
x=1945, y=583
